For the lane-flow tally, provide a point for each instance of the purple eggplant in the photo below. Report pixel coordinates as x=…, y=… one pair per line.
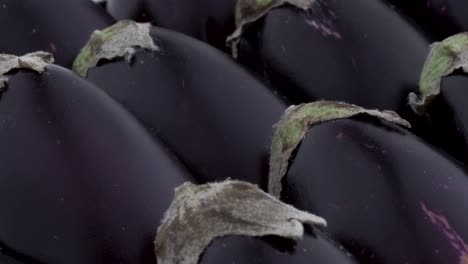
x=361, y=52
x=81, y=181
x=314, y=247
x=236, y=222
x=387, y=195
x=439, y=19
x=208, y=20
x=215, y=116
x=60, y=27
x=441, y=102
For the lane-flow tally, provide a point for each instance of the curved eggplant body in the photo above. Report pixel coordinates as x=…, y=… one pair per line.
x=445, y=123
x=312, y=248
x=208, y=20
x=60, y=27
x=387, y=196
x=81, y=181
x=359, y=52
x=438, y=19
x=215, y=116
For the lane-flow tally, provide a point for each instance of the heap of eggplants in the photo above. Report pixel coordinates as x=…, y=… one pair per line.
x=360, y=52
x=205, y=107
x=82, y=181
x=334, y=132
x=381, y=189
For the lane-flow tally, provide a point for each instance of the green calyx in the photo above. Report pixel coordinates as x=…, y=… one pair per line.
x=36, y=61
x=444, y=58
x=296, y=122
x=118, y=40
x=249, y=8
x=248, y=11
x=201, y=213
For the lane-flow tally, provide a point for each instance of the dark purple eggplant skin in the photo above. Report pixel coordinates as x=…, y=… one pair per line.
x=314, y=247
x=208, y=20
x=439, y=19
x=387, y=196
x=81, y=181
x=361, y=52
x=212, y=113
x=60, y=27
x=445, y=122
x=8, y=259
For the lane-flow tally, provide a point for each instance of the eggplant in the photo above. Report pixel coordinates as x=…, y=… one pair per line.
x=207, y=20
x=82, y=181
x=236, y=222
x=441, y=101
x=214, y=115
x=388, y=196
x=60, y=27
x=361, y=52
x=446, y=120
x=438, y=19
x=314, y=247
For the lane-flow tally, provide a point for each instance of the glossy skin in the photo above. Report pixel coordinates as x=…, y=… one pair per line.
x=215, y=116
x=360, y=52
x=437, y=18
x=30, y=25
x=81, y=181
x=387, y=196
x=208, y=20
x=313, y=248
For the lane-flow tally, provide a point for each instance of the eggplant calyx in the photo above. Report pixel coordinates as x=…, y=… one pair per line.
x=36, y=61
x=117, y=41
x=296, y=122
x=444, y=58
x=202, y=213
x=249, y=11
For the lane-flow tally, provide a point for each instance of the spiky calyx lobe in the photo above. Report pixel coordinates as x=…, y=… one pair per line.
x=117, y=41
x=444, y=58
x=35, y=61
x=201, y=213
